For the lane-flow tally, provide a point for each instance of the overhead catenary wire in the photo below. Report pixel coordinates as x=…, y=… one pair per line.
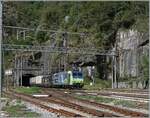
x=43, y=30
x=69, y=50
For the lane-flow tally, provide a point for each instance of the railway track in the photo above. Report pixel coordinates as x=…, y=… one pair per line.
x=140, y=99
x=93, y=112
x=131, y=97
x=65, y=103
x=39, y=103
x=143, y=94
x=122, y=111
x=116, y=95
x=70, y=102
x=139, y=91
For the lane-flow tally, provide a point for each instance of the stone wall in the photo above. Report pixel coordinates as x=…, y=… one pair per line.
x=130, y=54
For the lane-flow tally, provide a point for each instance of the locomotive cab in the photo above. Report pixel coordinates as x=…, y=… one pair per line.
x=69, y=78
x=75, y=78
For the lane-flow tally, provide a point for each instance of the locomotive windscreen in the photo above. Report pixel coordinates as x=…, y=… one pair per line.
x=77, y=74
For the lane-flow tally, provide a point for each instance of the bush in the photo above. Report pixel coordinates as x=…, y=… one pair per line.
x=98, y=84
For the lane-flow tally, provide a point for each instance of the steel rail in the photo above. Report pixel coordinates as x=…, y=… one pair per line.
x=126, y=112
x=42, y=105
x=78, y=107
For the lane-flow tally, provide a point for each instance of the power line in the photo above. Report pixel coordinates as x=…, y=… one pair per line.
x=43, y=30
x=68, y=50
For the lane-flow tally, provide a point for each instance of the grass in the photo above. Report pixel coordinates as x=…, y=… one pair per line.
x=123, y=103
x=98, y=84
x=96, y=98
x=19, y=110
x=28, y=90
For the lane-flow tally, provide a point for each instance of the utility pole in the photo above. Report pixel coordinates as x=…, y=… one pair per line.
x=115, y=72
x=21, y=71
x=15, y=71
x=112, y=82
x=4, y=81
x=65, y=54
x=65, y=43
x=0, y=48
x=0, y=52
x=114, y=68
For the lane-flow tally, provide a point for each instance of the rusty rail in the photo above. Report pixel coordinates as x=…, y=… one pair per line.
x=125, y=112
x=79, y=108
x=68, y=104
x=39, y=103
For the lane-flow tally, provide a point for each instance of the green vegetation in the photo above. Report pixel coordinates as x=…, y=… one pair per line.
x=98, y=84
x=96, y=98
x=100, y=22
x=28, y=90
x=145, y=67
x=145, y=70
x=123, y=103
x=19, y=110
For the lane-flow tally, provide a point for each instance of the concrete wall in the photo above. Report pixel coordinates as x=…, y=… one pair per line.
x=134, y=84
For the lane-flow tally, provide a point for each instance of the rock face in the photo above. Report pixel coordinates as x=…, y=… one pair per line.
x=130, y=52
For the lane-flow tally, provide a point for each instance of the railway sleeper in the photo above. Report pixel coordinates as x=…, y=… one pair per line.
x=112, y=108
x=39, y=103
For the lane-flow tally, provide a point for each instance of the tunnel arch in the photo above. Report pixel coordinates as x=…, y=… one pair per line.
x=26, y=79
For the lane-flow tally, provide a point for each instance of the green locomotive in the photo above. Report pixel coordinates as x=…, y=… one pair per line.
x=69, y=78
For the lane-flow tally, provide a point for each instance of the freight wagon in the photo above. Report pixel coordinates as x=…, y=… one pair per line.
x=40, y=80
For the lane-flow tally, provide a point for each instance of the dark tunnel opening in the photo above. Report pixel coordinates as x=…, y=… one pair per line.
x=26, y=79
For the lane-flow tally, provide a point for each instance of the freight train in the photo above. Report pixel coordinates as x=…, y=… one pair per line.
x=62, y=79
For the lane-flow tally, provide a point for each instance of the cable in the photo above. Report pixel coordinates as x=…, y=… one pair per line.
x=43, y=30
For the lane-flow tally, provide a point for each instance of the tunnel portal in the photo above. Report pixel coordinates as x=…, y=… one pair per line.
x=26, y=79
